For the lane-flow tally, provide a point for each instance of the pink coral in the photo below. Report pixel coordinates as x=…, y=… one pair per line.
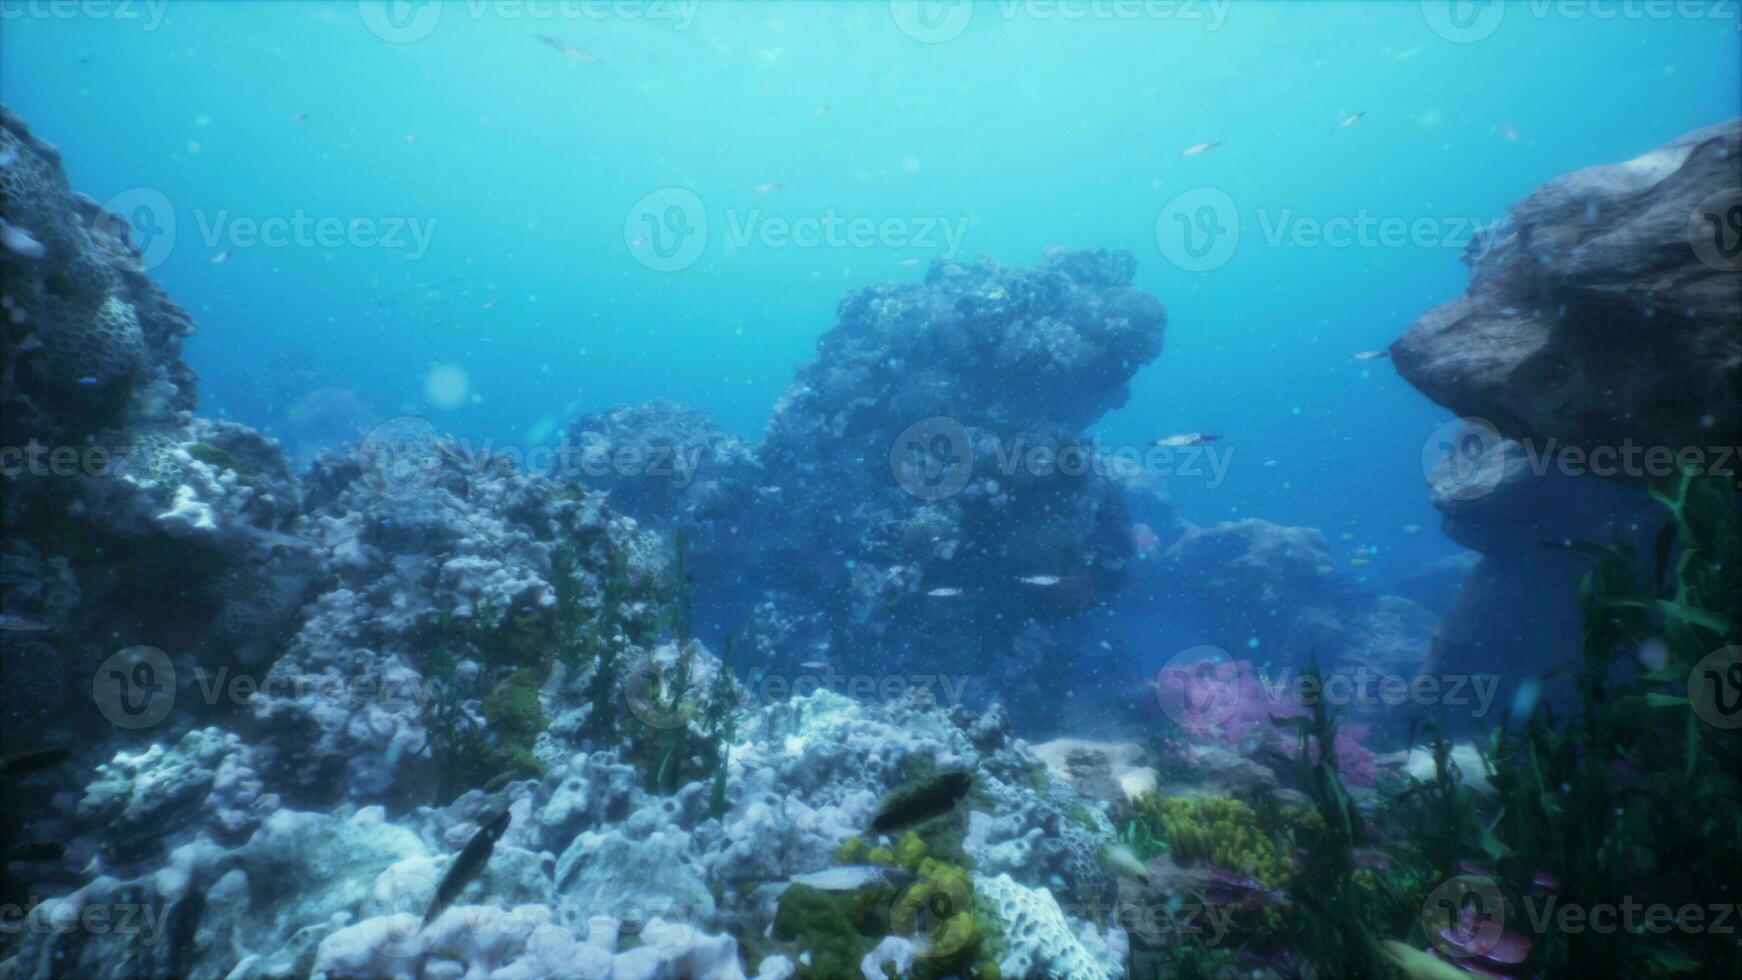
x=1218, y=700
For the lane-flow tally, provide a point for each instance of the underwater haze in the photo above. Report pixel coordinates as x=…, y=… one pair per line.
x=925, y=488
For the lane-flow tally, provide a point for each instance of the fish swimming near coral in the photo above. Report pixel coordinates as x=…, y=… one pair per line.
x=18, y=624
x=853, y=877
x=923, y=800
x=20, y=242
x=468, y=865
x=569, y=50
x=33, y=760
x=1187, y=439
x=1369, y=355
x=1124, y=862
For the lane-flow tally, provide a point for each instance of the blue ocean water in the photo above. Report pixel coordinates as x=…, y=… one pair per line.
x=1020, y=125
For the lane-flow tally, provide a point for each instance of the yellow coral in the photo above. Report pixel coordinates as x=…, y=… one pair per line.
x=1219, y=830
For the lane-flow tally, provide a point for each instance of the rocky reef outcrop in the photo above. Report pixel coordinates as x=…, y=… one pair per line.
x=1595, y=350
x=128, y=521
x=926, y=475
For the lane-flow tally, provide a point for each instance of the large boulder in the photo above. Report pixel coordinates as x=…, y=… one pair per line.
x=1596, y=347
x=1596, y=314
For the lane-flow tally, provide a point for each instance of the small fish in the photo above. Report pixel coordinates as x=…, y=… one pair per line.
x=489, y=304
x=410, y=137
x=853, y=877
x=1197, y=148
x=908, y=262
x=1369, y=355
x=816, y=665
x=1349, y=121
x=467, y=866
x=569, y=50
x=1124, y=861
x=1507, y=132
x=1042, y=580
x=948, y=592
x=638, y=241
x=1360, y=561
x=1187, y=439
x=18, y=624
x=768, y=187
x=19, y=242
x=819, y=112
x=89, y=382
x=299, y=117
x=33, y=760
x=918, y=803
x=1411, y=528
x=221, y=257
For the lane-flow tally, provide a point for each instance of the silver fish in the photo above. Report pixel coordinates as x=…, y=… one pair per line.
x=1187, y=439
x=1369, y=355
x=852, y=877
x=1040, y=580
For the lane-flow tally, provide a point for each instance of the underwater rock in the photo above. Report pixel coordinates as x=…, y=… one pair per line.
x=1254, y=585
x=1107, y=771
x=1591, y=318
x=1041, y=941
x=1435, y=585
x=128, y=522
